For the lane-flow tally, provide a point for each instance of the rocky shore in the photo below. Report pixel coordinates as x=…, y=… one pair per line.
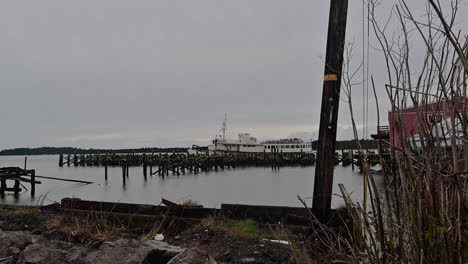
x=30, y=236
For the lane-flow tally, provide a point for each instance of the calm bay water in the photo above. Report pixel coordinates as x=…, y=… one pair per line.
x=261, y=186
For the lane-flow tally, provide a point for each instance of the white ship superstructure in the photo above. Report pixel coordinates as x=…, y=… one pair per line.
x=288, y=145
x=245, y=143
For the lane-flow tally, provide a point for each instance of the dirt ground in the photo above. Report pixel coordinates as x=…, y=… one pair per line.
x=225, y=248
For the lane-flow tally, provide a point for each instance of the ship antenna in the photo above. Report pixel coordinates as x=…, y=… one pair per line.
x=223, y=129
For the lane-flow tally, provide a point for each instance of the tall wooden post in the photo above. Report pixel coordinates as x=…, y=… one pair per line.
x=3, y=186
x=33, y=183
x=16, y=187
x=323, y=184
x=123, y=173
x=342, y=156
x=145, y=167
x=105, y=166
x=127, y=165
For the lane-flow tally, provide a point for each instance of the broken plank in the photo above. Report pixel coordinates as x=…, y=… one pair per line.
x=63, y=179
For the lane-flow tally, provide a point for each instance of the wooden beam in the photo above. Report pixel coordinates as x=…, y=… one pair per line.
x=62, y=179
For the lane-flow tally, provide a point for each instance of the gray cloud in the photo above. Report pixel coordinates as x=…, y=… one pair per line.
x=162, y=73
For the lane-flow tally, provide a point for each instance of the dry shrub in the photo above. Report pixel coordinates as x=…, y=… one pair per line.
x=420, y=214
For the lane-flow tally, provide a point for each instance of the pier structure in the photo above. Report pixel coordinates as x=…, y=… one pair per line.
x=18, y=176
x=181, y=163
x=164, y=164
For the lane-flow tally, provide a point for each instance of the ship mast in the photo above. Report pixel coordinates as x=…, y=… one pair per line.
x=224, y=127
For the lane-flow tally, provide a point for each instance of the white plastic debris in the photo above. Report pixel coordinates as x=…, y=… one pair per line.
x=159, y=237
x=277, y=241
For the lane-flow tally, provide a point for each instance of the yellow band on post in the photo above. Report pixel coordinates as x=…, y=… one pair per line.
x=330, y=77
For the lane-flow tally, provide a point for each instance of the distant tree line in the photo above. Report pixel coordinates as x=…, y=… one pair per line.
x=71, y=150
x=342, y=144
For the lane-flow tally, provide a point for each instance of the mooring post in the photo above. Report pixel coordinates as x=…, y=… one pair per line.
x=16, y=187
x=127, y=165
x=145, y=167
x=25, y=162
x=3, y=186
x=342, y=156
x=105, y=167
x=33, y=182
x=323, y=183
x=123, y=173
x=61, y=160
x=68, y=160
x=352, y=159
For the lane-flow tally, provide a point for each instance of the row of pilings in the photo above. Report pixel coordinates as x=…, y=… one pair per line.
x=182, y=163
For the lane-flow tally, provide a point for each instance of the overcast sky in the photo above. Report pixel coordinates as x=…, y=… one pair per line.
x=115, y=73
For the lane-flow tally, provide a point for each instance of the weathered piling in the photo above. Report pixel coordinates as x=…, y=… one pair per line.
x=123, y=174
x=105, y=167
x=33, y=182
x=16, y=186
x=127, y=165
x=181, y=164
x=3, y=186
x=145, y=167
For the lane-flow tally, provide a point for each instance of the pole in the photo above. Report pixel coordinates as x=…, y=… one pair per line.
x=323, y=183
x=105, y=167
x=33, y=183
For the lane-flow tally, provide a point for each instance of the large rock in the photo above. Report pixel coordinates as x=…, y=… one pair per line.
x=160, y=252
x=25, y=248
x=51, y=251
x=192, y=256
x=129, y=251
x=13, y=242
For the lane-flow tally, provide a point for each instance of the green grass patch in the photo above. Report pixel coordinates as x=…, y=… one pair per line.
x=27, y=212
x=242, y=228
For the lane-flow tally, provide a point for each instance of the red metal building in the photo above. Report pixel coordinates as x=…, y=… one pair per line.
x=436, y=121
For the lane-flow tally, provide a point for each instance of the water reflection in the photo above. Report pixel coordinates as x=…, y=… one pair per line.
x=255, y=185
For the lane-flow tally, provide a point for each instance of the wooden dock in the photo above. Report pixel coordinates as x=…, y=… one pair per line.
x=181, y=163
x=163, y=164
x=18, y=176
